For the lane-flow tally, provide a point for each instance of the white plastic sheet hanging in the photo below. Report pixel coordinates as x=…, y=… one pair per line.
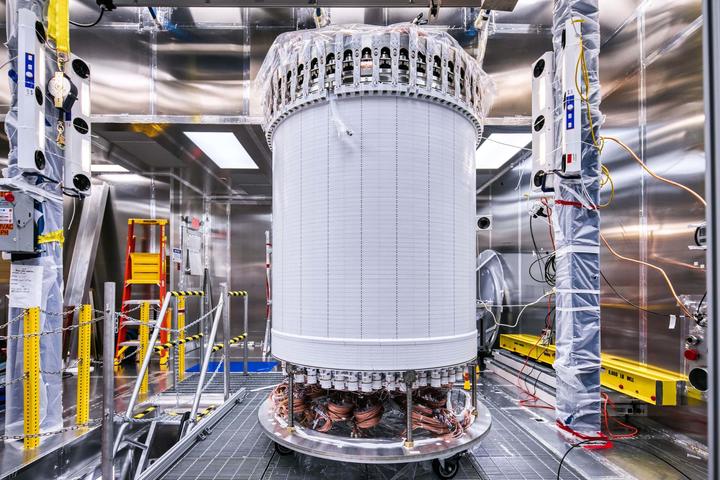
x=577, y=225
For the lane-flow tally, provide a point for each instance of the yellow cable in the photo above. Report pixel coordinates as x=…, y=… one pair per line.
x=608, y=179
x=586, y=81
x=599, y=145
x=655, y=175
x=655, y=267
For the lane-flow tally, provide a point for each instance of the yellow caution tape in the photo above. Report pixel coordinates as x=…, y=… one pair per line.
x=56, y=236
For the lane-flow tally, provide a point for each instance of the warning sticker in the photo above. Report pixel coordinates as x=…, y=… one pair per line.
x=6, y=215
x=5, y=229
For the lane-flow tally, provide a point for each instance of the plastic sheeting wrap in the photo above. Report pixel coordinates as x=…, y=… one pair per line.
x=374, y=197
x=48, y=218
x=577, y=227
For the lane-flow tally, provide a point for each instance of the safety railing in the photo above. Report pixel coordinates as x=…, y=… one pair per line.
x=33, y=372
x=149, y=332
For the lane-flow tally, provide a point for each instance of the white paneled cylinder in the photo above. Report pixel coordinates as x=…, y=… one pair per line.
x=373, y=235
x=373, y=132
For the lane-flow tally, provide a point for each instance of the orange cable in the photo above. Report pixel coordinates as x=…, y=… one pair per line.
x=655, y=267
x=692, y=192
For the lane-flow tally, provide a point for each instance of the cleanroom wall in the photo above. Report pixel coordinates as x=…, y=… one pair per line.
x=651, y=81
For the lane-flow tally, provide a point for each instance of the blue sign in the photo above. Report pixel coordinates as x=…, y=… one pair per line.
x=29, y=70
x=569, y=112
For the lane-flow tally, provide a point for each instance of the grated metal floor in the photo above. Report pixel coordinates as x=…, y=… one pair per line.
x=522, y=445
x=237, y=449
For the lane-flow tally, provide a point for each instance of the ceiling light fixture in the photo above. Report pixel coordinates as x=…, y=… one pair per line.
x=107, y=168
x=498, y=148
x=223, y=148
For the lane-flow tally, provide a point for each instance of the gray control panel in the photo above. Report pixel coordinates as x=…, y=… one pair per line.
x=17, y=228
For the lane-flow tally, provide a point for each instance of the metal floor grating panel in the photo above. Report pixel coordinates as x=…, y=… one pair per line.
x=237, y=380
x=517, y=448
x=237, y=449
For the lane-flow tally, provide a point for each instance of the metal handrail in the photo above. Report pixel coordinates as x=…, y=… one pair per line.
x=141, y=373
x=206, y=360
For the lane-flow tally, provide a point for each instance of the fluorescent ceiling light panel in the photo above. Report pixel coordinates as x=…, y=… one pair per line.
x=498, y=148
x=223, y=148
x=107, y=168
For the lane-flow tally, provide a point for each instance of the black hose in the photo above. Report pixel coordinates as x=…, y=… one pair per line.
x=88, y=25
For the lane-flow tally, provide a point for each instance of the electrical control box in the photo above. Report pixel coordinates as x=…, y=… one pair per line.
x=31, y=93
x=78, y=133
x=543, y=129
x=17, y=224
x=571, y=125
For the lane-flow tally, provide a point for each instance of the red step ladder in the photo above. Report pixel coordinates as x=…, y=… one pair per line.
x=142, y=268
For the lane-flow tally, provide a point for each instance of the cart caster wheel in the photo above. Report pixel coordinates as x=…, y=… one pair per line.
x=281, y=450
x=449, y=470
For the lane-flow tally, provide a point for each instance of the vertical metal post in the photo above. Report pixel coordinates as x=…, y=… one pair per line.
x=291, y=398
x=266, y=348
x=83, y=363
x=143, y=369
x=108, y=382
x=711, y=64
x=409, y=380
x=226, y=340
x=473, y=388
x=245, y=334
x=172, y=361
x=180, y=309
x=143, y=339
x=206, y=359
x=31, y=362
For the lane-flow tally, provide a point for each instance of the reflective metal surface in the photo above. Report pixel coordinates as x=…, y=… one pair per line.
x=651, y=75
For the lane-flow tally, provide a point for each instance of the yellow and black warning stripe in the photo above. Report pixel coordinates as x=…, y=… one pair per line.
x=187, y=293
x=232, y=341
x=174, y=343
x=204, y=412
x=145, y=412
x=238, y=293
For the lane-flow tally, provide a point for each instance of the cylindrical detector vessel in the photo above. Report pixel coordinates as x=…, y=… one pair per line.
x=373, y=132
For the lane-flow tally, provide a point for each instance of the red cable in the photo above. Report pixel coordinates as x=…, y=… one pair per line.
x=632, y=431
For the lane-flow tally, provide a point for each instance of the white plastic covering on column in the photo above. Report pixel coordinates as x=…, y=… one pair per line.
x=48, y=218
x=577, y=227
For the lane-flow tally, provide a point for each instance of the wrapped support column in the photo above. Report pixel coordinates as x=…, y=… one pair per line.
x=577, y=226
x=48, y=219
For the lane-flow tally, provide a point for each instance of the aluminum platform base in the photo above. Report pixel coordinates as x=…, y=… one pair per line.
x=367, y=450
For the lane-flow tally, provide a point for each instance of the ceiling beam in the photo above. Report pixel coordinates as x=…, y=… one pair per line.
x=502, y=5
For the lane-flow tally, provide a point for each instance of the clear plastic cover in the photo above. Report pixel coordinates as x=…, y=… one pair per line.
x=48, y=218
x=306, y=65
x=577, y=227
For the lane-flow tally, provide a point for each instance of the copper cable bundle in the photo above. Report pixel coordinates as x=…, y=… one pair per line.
x=339, y=410
x=431, y=397
x=369, y=415
x=320, y=409
x=279, y=397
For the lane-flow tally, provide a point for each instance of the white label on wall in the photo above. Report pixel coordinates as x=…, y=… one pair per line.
x=177, y=255
x=25, y=285
x=6, y=215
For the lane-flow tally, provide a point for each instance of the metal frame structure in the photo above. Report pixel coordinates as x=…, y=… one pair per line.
x=711, y=60
x=371, y=451
x=504, y=5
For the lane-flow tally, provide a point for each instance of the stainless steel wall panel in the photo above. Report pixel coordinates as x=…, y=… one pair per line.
x=675, y=129
x=249, y=223
x=202, y=71
x=653, y=93
x=87, y=11
x=120, y=60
